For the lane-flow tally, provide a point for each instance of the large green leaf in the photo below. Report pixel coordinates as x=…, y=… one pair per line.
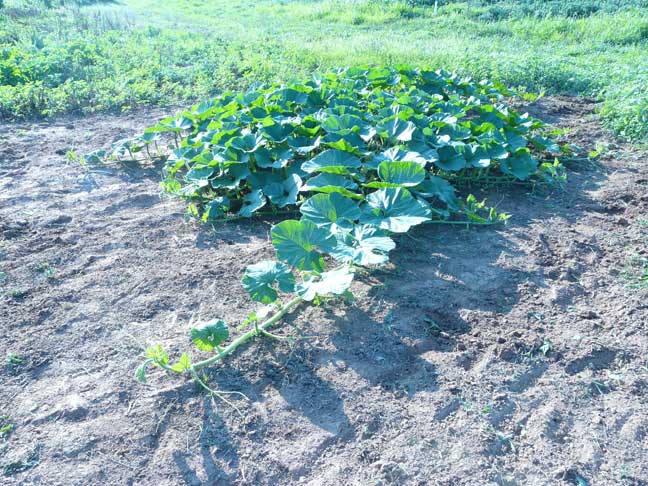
x=328, y=183
x=278, y=132
x=394, y=210
x=450, y=159
x=343, y=123
x=216, y=209
x=230, y=177
x=396, y=155
x=252, y=202
x=209, y=335
x=275, y=158
x=351, y=143
x=514, y=140
x=297, y=243
x=247, y=143
x=259, y=280
x=477, y=156
x=439, y=188
x=396, y=129
x=332, y=162
x=399, y=174
x=521, y=165
x=304, y=145
x=200, y=173
x=289, y=96
x=364, y=245
x=284, y=193
x=347, y=124
x=331, y=211
x=328, y=180
x=326, y=284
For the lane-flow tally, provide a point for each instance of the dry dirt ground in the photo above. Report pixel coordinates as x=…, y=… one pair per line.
x=514, y=355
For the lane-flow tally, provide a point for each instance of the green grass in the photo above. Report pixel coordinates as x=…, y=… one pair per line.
x=111, y=57
x=636, y=272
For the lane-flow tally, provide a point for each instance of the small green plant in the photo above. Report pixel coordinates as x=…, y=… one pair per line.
x=46, y=269
x=13, y=362
x=18, y=293
x=5, y=428
x=31, y=459
x=636, y=272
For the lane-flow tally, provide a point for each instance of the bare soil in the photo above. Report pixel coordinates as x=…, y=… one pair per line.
x=513, y=355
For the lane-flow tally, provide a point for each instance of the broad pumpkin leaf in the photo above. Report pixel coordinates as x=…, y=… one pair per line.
x=328, y=180
x=325, y=284
x=172, y=125
x=399, y=174
x=450, y=159
x=394, y=210
x=304, y=145
x=230, y=177
x=329, y=183
x=284, y=193
x=331, y=211
x=252, y=202
x=332, y=162
x=278, y=132
x=396, y=154
x=209, y=335
x=396, y=129
x=351, y=143
x=547, y=144
x=439, y=188
x=514, y=140
x=343, y=123
x=288, y=96
x=477, y=156
x=260, y=279
x=216, y=209
x=275, y=158
x=521, y=164
x=247, y=143
x=364, y=245
x=201, y=173
x=298, y=242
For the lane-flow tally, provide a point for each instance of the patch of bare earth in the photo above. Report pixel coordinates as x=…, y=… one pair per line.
x=497, y=356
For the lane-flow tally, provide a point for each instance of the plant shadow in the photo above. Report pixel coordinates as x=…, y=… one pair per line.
x=216, y=448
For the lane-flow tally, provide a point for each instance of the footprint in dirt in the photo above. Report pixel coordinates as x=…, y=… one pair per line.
x=141, y=201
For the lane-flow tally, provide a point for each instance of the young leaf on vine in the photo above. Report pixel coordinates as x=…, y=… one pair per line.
x=394, y=210
x=259, y=280
x=326, y=284
x=296, y=243
x=209, y=335
x=365, y=245
x=331, y=211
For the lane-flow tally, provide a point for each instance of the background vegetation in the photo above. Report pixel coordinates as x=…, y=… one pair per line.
x=84, y=56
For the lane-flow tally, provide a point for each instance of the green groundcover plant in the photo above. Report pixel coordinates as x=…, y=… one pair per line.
x=359, y=155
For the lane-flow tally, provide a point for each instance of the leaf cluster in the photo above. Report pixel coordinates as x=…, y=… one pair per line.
x=351, y=132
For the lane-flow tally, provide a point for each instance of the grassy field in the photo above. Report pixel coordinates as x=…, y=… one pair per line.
x=74, y=58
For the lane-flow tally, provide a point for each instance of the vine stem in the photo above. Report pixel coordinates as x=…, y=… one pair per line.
x=247, y=336
x=465, y=223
